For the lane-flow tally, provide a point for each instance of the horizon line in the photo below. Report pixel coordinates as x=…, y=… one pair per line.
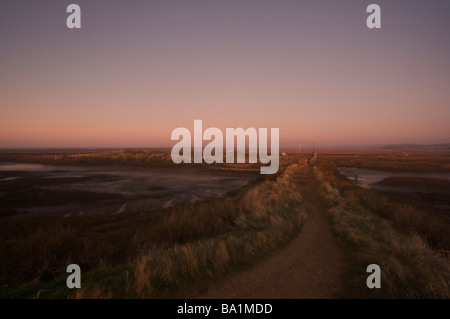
x=318, y=147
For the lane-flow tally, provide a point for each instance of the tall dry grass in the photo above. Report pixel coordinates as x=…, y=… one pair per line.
x=162, y=253
x=405, y=218
x=410, y=267
x=268, y=215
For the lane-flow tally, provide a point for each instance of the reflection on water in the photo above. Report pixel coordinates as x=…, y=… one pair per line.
x=118, y=189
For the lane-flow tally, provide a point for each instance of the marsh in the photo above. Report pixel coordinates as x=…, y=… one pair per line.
x=429, y=190
x=35, y=189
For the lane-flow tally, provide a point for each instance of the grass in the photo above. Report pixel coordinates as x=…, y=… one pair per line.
x=405, y=218
x=400, y=239
x=173, y=252
x=160, y=158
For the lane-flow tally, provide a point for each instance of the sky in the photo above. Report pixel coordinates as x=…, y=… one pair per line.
x=137, y=70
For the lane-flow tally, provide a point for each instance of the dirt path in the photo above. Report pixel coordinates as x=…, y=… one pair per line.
x=311, y=266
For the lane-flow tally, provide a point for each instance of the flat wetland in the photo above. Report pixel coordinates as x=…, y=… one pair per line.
x=420, y=178
x=38, y=190
x=141, y=226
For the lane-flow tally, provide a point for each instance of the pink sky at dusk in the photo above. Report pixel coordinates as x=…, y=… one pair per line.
x=135, y=72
